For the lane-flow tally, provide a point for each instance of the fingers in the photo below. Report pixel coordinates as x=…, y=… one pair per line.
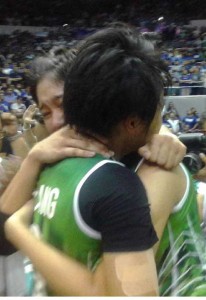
x=164, y=150
x=75, y=152
x=75, y=140
x=86, y=148
x=29, y=113
x=60, y=145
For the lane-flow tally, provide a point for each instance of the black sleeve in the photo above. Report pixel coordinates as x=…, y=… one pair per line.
x=113, y=201
x=6, y=248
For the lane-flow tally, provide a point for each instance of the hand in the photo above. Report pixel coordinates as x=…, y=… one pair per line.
x=28, y=116
x=165, y=150
x=66, y=143
x=201, y=175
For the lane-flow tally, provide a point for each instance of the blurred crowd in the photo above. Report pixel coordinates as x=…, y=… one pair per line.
x=190, y=122
x=182, y=46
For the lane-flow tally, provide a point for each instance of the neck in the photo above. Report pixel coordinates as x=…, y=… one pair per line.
x=111, y=143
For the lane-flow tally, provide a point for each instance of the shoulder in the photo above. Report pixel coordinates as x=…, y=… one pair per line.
x=114, y=179
x=170, y=182
x=165, y=188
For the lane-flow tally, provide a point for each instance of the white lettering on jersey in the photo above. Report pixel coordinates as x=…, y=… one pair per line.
x=47, y=201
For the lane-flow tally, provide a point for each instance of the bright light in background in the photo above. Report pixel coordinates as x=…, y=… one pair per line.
x=64, y=25
x=160, y=19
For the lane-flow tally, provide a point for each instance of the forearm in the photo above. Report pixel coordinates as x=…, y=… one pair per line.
x=64, y=276
x=114, y=276
x=19, y=191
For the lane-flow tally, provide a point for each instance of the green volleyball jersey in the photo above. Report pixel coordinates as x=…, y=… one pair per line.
x=57, y=217
x=181, y=256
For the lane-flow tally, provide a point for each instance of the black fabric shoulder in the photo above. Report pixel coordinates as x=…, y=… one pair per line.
x=113, y=201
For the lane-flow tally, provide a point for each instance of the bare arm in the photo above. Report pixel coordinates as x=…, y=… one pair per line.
x=61, y=144
x=118, y=274
x=165, y=188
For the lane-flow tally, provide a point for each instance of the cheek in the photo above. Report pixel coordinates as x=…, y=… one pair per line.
x=61, y=116
x=48, y=125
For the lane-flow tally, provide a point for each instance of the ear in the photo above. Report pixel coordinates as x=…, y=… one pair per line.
x=133, y=124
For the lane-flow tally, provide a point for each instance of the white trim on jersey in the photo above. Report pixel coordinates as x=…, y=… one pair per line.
x=83, y=226
x=139, y=164
x=182, y=201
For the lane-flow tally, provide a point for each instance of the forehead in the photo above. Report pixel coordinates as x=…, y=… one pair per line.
x=48, y=90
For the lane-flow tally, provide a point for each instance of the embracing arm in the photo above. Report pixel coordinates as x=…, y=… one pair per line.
x=19, y=190
x=118, y=274
x=61, y=144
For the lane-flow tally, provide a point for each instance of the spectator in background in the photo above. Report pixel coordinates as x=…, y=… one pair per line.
x=14, y=136
x=26, y=96
x=196, y=81
x=4, y=86
x=5, y=145
x=195, y=113
x=165, y=121
x=9, y=96
x=185, y=82
x=15, y=75
x=18, y=107
x=174, y=122
x=3, y=76
x=170, y=108
x=191, y=120
x=4, y=106
x=17, y=89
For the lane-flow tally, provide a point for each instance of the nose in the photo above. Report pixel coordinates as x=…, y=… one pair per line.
x=57, y=120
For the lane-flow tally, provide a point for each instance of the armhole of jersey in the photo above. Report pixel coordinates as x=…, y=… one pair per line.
x=182, y=201
x=83, y=226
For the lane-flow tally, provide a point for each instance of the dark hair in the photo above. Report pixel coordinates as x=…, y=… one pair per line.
x=55, y=63
x=115, y=75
